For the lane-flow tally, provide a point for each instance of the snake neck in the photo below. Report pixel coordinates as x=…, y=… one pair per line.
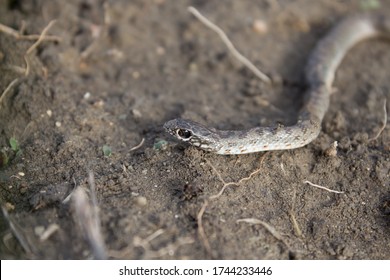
x=267, y=138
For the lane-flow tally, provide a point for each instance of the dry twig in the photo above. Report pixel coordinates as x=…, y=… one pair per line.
x=230, y=45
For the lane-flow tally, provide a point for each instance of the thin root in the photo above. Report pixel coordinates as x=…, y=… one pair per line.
x=296, y=226
x=10, y=31
x=8, y=89
x=170, y=249
x=138, y=146
x=144, y=242
x=35, y=45
x=41, y=37
x=297, y=229
x=384, y=122
x=201, y=231
x=52, y=228
x=321, y=187
x=267, y=226
x=230, y=45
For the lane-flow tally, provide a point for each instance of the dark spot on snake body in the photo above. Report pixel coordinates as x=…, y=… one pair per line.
x=230, y=145
x=243, y=151
x=276, y=129
x=265, y=146
x=288, y=144
x=242, y=135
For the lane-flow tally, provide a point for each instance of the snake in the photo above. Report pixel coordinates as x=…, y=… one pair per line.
x=319, y=75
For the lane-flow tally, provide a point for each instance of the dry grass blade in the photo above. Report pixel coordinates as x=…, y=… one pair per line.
x=18, y=233
x=86, y=216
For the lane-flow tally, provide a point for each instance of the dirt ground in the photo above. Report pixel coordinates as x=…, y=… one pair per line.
x=123, y=68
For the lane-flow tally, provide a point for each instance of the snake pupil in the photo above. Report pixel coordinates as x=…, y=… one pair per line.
x=184, y=133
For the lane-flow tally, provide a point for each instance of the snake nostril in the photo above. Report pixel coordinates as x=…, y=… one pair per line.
x=184, y=133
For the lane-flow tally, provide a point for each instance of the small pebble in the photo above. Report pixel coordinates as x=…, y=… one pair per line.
x=141, y=201
x=160, y=50
x=21, y=174
x=193, y=67
x=332, y=150
x=49, y=113
x=136, y=113
x=9, y=206
x=87, y=95
x=260, y=26
x=99, y=104
x=38, y=230
x=115, y=53
x=58, y=124
x=23, y=190
x=136, y=75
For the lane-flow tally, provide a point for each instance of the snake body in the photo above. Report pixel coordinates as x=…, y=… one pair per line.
x=319, y=75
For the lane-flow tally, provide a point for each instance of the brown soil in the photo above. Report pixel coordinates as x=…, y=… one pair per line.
x=124, y=68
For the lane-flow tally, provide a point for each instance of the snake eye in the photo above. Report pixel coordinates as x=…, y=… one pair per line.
x=184, y=133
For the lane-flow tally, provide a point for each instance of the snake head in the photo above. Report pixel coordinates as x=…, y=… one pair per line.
x=192, y=132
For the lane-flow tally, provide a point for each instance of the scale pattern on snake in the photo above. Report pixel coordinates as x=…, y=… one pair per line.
x=319, y=75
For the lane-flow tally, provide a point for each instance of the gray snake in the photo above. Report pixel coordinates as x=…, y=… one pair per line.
x=319, y=75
